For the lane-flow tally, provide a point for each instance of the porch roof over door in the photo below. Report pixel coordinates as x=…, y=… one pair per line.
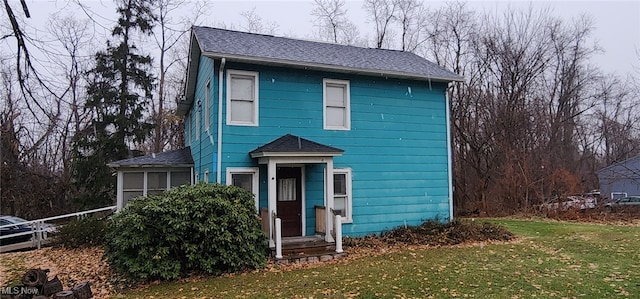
x=294, y=146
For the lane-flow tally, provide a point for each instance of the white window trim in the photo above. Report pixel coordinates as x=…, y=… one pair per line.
x=205, y=176
x=255, y=171
x=145, y=183
x=207, y=106
x=349, y=215
x=255, y=95
x=326, y=81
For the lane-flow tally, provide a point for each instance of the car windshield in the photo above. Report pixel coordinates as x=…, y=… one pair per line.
x=14, y=219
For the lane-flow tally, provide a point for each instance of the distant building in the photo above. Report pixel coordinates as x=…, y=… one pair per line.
x=620, y=179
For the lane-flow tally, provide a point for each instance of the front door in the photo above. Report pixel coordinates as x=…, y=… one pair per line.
x=289, y=203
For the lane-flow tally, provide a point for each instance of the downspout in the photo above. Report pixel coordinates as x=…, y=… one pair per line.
x=449, y=156
x=219, y=159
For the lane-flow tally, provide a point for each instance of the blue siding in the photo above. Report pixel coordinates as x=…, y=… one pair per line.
x=396, y=147
x=203, y=146
x=314, y=194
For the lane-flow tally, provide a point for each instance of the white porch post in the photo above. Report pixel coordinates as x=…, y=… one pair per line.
x=329, y=201
x=271, y=177
x=278, y=238
x=119, y=192
x=339, y=234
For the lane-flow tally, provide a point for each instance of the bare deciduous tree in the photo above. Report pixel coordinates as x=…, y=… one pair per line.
x=333, y=24
x=255, y=24
x=382, y=13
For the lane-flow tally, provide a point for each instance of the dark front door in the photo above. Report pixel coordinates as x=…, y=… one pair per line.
x=289, y=203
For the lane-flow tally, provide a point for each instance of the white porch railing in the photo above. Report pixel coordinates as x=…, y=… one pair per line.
x=38, y=230
x=278, y=235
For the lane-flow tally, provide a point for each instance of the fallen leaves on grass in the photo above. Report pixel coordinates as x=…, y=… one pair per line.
x=72, y=266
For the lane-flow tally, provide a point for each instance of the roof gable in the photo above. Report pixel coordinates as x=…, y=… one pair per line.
x=289, y=144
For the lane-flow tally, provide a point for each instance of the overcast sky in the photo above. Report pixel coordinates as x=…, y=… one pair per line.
x=617, y=23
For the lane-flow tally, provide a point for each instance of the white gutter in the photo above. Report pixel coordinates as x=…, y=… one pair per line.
x=328, y=67
x=449, y=158
x=220, y=82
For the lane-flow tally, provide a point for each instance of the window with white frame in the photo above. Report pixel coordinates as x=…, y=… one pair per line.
x=242, y=98
x=207, y=106
x=156, y=182
x=246, y=178
x=206, y=176
x=145, y=183
x=132, y=186
x=342, y=200
x=336, y=101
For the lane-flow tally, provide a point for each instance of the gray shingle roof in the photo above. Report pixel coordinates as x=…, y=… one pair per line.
x=170, y=158
x=220, y=43
x=294, y=144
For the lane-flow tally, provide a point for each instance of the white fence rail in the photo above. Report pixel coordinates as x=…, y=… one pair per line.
x=39, y=230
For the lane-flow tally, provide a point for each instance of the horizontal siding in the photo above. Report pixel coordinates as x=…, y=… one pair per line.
x=203, y=145
x=396, y=147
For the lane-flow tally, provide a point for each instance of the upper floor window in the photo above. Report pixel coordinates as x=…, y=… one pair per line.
x=336, y=101
x=242, y=98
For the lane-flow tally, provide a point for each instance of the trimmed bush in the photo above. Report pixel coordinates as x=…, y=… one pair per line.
x=203, y=228
x=81, y=232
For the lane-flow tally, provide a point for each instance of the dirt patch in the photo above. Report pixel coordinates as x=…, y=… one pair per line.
x=72, y=266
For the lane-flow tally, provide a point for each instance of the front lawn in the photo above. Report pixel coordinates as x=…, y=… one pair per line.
x=550, y=259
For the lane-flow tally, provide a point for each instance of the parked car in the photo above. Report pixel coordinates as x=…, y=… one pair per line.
x=571, y=202
x=10, y=225
x=624, y=202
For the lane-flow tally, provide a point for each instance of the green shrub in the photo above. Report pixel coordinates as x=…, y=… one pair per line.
x=203, y=228
x=81, y=232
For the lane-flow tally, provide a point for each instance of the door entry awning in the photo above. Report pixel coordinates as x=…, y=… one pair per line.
x=294, y=146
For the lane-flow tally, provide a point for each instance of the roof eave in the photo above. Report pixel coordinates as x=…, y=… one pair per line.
x=328, y=67
x=192, y=76
x=295, y=154
x=142, y=165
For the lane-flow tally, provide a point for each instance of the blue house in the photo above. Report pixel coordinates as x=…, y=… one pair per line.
x=317, y=129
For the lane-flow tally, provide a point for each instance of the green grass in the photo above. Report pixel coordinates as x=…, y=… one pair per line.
x=550, y=260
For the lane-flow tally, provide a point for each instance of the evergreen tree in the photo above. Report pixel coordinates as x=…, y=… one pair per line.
x=119, y=92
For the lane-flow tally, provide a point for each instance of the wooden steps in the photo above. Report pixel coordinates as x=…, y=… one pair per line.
x=306, y=250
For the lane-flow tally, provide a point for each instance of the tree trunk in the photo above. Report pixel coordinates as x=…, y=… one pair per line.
x=35, y=277
x=82, y=291
x=52, y=286
x=64, y=295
